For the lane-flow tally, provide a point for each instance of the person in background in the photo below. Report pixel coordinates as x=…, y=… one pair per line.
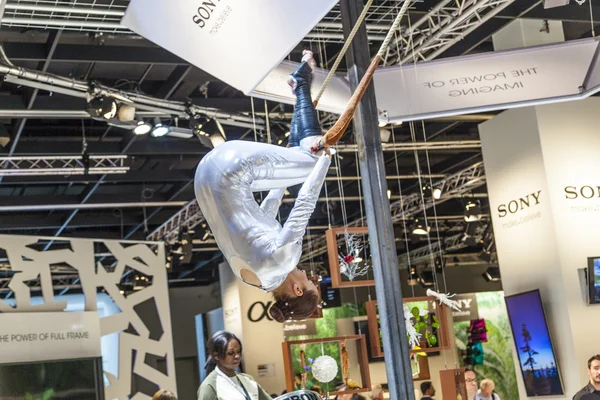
x=593, y=387
x=471, y=381
x=486, y=391
x=164, y=395
x=376, y=392
x=428, y=390
x=222, y=381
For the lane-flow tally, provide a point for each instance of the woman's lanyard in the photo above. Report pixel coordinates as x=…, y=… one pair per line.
x=239, y=387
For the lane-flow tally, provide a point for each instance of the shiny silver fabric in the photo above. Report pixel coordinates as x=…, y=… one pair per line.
x=248, y=234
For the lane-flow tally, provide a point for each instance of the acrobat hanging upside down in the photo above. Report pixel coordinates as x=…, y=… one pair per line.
x=261, y=251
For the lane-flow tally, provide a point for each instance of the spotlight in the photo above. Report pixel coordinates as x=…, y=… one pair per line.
x=427, y=278
x=413, y=278
x=439, y=263
x=473, y=211
x=492, y=274
x=4, y=136
x=389, y=194
x=159, y=129
x=217, y=139
x=420, y=227
x=184, y=248
x=140, y=282
x=142, y=127
x=102, y=107
x=429, y=193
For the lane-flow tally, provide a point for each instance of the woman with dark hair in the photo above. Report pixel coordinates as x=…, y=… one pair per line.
x=261, y=251
x=223, y=382
x=164, y=395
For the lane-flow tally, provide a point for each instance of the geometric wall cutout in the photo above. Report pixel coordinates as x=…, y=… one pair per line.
x=144, y=313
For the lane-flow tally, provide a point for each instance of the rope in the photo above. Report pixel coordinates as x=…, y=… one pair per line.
x=342, y=53
x=334, y=134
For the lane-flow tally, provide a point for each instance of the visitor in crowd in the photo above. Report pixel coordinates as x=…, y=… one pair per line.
x=486, y=391
x=471, y=381
x=223, y=382
x=376, y=392
x=593, y=387
x=164, y=395
x=428, y=390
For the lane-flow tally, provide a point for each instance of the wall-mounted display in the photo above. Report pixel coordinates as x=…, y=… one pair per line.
x=534, y=345
x=65, y=380
x=593, y=278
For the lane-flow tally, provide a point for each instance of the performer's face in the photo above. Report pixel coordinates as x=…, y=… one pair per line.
x=301, y=283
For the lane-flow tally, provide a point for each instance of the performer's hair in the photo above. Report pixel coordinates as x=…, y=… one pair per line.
x=294, y=307
x=164, y=395
x=217, y=344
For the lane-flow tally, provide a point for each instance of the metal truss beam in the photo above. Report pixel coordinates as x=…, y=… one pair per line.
x=447, y=23
x=454, y=185
x=62, y=165
x=189, y=217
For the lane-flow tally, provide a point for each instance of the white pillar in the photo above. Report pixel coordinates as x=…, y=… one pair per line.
x=531, y=155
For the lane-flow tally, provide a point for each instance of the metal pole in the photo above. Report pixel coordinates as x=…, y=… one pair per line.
x=379, y=218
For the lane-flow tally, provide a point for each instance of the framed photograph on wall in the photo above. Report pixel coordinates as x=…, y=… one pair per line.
x=534, y=345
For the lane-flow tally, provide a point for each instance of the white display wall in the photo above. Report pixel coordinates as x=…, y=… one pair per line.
x=132, y=257
x=533, y=157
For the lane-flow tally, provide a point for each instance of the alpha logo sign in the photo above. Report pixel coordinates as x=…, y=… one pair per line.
x=468, y=308
x=519, y=207
x=259, y=311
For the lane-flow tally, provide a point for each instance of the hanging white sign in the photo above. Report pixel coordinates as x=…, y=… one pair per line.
x=26, y=337
x=484, y=82
x=237, y=41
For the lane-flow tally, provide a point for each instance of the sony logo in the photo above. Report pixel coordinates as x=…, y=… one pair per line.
x=513, y=206
x=204, y=12
x=587, y=192
x=466, y=303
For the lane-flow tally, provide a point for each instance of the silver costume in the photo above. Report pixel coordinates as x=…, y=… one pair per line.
x=248, y=234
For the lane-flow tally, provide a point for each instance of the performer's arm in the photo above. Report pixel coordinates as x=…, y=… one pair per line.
x=270, y=204
x=295, y=226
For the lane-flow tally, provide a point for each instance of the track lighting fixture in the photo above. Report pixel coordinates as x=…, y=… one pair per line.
x=102, y=107
x=473, y=211
x=429, y=193
x=420, y=227
x=413, y=278
x=142, y=127
x=159, y=129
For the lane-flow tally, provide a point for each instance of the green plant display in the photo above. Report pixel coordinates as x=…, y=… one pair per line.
x=47, y=395
x=498, y=360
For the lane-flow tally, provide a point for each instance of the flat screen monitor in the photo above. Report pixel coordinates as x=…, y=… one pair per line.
x=593, y=278
x=53, y=380
x=534, y=346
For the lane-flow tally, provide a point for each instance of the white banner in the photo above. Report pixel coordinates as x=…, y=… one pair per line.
x=27, y=337
x=237, y=41
x=484, y=82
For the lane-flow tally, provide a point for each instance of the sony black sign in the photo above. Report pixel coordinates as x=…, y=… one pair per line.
x=516, y=205
x=204, y=12
x=586, y=192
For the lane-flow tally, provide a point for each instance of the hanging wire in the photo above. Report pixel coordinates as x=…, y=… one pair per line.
x=441, y=251
x=592, y=19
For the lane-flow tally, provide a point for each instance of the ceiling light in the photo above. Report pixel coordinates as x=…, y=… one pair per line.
x=473, y=211
x=102, y=107
x=159, y=129
x=382, y=124
x=142, y=127
x=428, y=193
x=217, y=139
x=389, y=194
x=420, y=227
x=4, y=136
x=413, y=278
x=492, y=274
x=385, y=134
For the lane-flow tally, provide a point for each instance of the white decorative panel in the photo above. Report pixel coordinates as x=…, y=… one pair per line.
x=144, y=339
